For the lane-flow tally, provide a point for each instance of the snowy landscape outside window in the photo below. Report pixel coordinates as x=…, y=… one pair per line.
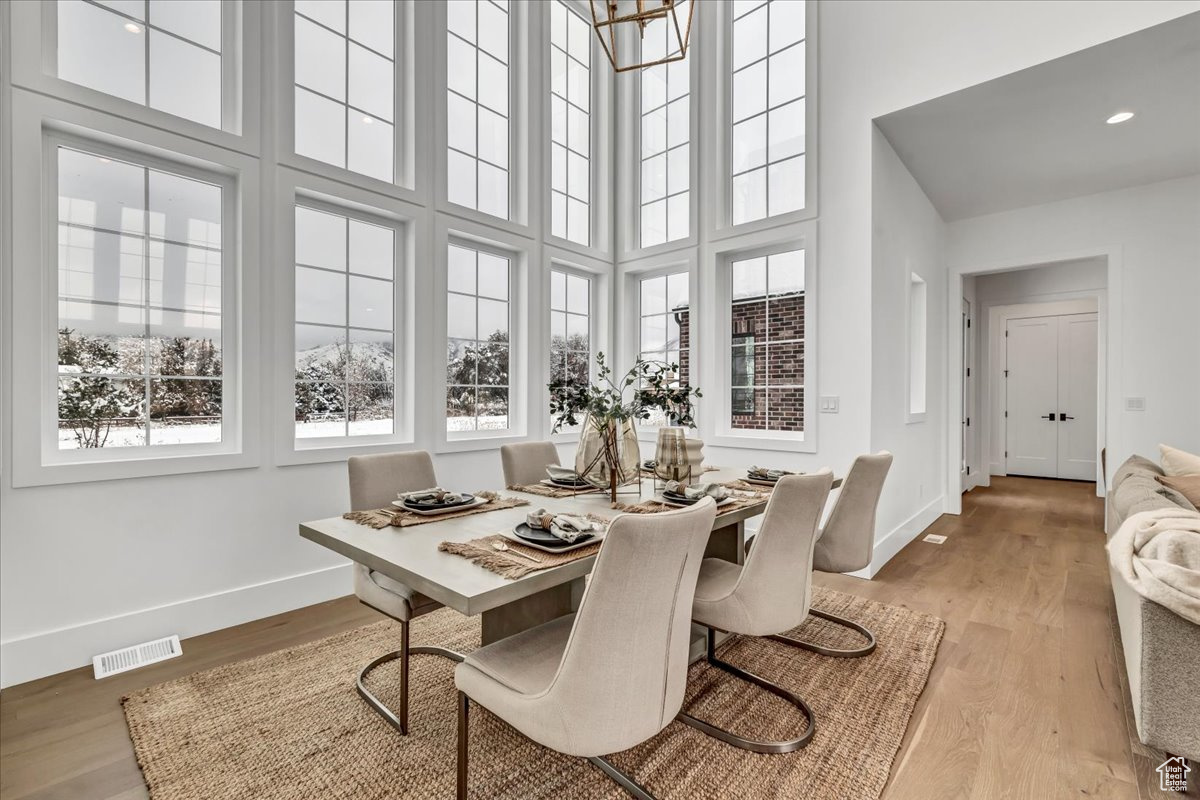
x=139, y=305
x=477, y=340
x=345, y=328
x=570, y=327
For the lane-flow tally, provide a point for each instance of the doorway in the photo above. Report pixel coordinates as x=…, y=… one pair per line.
x=1050, y=396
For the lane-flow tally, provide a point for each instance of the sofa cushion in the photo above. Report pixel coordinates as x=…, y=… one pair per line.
x=1186, y=485
x=1179, y=462
x=1132, y=466
x=1140, y=492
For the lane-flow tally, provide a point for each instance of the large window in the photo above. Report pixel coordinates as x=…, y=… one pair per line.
x=165, y=54
x=477, y=340
x=767, y=336
x=346, y=85
x=477, y=111
x=768, y=109
x=664, y=325
x=139, y=305
x=665, y=135
x=570, y=124
x=345, y=325
x=570, y=327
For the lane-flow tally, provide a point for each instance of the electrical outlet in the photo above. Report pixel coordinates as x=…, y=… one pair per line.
x=934, y=538
x=1135, y=404
x=829, y=404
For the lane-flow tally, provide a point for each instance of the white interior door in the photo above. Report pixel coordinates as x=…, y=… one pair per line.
x=1032, y=397
x=1077, y=397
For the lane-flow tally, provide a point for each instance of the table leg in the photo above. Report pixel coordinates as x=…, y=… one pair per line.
x=728, y=543
x=528, y=612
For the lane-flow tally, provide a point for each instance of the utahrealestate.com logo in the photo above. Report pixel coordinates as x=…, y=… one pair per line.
x=1172, y=774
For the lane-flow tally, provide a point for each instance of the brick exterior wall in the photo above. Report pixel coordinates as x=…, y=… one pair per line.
x=778, y=368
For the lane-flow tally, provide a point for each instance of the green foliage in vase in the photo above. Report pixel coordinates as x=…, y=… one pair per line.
x=646, y=386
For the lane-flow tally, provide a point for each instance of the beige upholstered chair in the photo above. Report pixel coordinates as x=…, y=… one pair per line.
x=613, y=674
x=374, y=482
x=847, y=541
x=768, y=594
x=525, y=463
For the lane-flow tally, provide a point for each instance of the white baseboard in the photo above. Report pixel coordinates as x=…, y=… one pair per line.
x=895, y=540
x=51, y=652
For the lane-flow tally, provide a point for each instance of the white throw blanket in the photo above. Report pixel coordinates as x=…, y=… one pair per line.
x=1158, y=553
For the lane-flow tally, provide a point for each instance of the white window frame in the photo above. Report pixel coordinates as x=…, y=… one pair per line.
x=299, y=189
x=40, y=125
x=916, y=368
x=521, y=146
x=629, y=144
x=35, y=66
x=630, y=321
x=406, y=183
x=598, y=274
x=600, y=157
x=520, y=334
x=719, y=205
x=718, y=429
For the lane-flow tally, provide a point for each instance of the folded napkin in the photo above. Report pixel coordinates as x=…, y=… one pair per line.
x=564, y=526
x=562, y=473
x=764, y=474
x=714, y=490
x=436, y=494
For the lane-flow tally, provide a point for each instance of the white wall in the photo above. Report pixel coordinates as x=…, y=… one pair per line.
x=907, y=236
x=1152, y=234
x=92, y=566
x=1069, y=280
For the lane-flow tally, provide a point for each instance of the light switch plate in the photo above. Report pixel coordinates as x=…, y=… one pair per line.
x=1135, y=404
x=829, y=404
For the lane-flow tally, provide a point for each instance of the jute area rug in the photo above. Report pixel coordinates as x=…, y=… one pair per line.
x=289, y=724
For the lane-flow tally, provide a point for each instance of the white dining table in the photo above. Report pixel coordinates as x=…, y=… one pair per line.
x=506, y=606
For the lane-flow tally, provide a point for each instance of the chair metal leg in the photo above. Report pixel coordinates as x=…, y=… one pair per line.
x=398, y=721
x=624, y=781
x=463, y=729
x=752, y=745
x=865, y=650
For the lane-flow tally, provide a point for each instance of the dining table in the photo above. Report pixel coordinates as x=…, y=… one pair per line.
x=507, y=606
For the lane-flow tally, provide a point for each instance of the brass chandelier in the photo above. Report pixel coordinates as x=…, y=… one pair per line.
x=620, y=16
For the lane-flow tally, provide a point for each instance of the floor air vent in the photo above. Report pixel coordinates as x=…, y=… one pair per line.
x=136, y=656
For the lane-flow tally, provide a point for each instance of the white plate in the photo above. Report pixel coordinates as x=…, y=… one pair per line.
x=512, y=537
x=720, y=503
x=433, y=512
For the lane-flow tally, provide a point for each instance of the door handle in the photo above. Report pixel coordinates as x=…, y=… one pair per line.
x=1049, y=416
x=1063, y=417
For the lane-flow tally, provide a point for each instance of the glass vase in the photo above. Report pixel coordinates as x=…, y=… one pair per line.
x=671, y=456
x=608, y=454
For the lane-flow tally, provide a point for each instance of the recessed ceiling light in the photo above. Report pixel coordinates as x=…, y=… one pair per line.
x=368, y=120
x=129, y=26
x=1119, y=117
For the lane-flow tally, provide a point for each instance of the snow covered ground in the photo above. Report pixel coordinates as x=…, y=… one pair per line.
x=131, y=436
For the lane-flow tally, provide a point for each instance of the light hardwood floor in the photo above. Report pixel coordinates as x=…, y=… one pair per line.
x=1025, y=699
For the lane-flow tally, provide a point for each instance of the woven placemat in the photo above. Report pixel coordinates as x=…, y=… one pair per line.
x=508, y=565
x=379, y=518
x=551, y=491
x=760, y=495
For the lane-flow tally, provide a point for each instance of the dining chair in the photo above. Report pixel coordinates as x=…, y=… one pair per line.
x=612, y=674
x=847, y=543
x=525, y=463
x=767, y=595
x=375, y=481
